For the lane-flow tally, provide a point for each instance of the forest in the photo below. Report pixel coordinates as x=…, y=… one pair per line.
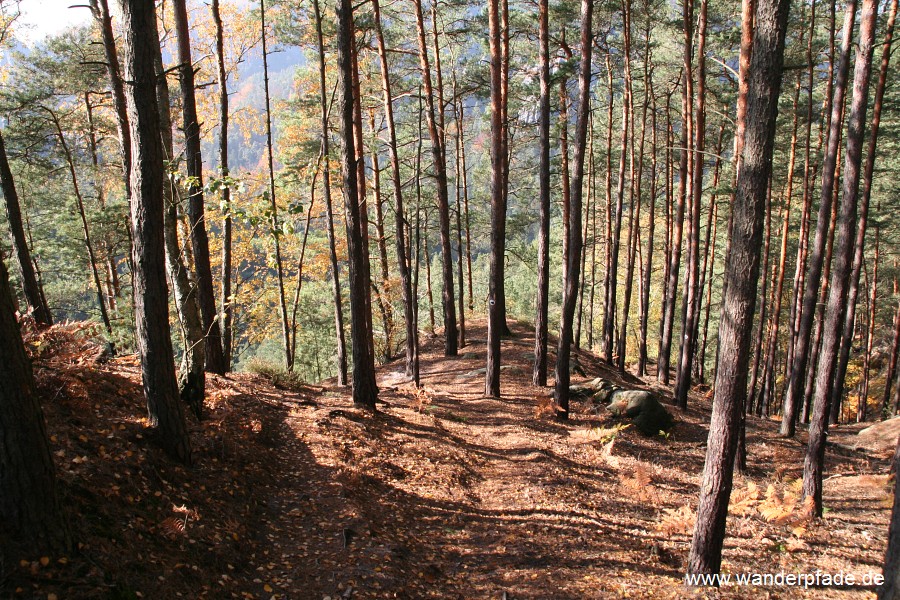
x=430, y=299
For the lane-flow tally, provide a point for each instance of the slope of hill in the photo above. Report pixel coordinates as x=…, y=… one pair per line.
x=442, y=494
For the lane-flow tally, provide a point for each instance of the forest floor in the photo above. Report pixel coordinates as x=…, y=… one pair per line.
x=442, y=494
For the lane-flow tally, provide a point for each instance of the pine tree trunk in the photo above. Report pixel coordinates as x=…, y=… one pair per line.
x=439, y=159
x=384, y=304
x=840, y=274
x=742, y=276
x=30, y=284
x=412, y=334
x=651, y=228
x=693, y=290
x=274, y=223
x=365, y=391
x=150, y=306
x=227, y=302
x=795, y=386
x=668, y=312
x=609, y=310
x=215, y=359
x=708, y=262
x=191, y=376
x=763, y=401
x=570, y=293
x=539, y=377
x=498, y=207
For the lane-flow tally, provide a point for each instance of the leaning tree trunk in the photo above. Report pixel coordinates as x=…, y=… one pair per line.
x=794, y=391
x=365, y=391
x=32, y=288
x=215, y=359
x=29, y=506
x=150, y=305
x=191, y=377
x=742, y=277
x=840, y=274
x=570, y=291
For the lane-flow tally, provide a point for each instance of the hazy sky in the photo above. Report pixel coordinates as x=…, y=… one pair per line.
x=45, y=17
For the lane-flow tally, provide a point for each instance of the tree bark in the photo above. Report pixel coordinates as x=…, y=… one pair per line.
x=191, y=376
x=742, y=276
x=539, y=376
x=227, y=302
x=34, y=296
x=439, y=159
x=693, y=291
x=215, y=359
x=840, y=273
x=794, y=392
x=496, y=314
x=570, y=292
x=365, y=391
x=151, y=311
x=412, y=334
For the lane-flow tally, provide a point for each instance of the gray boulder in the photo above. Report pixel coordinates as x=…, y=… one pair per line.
x=643, y=408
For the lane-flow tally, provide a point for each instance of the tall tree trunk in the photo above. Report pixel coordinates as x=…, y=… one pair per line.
x=412, y=334
x=365, y=391
x=32, y=288
x=693, y=290
x=329, y=210
x=766, y=391
x=539, y=376
x=215, y=359
x=570, y=292
x=191, y=376
x=808, y=178
x=498, y=206
x=708, y=262
x=227, y=302
x=439, y=159
x=862, y=407
x=564, y=161
x=742, y=275
x=609, y=311
x=273, y=204
x=763, y=312
x=381, y=291
x=651, y=228
x=166, y=418
x=840, y=273
x=794, y=392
